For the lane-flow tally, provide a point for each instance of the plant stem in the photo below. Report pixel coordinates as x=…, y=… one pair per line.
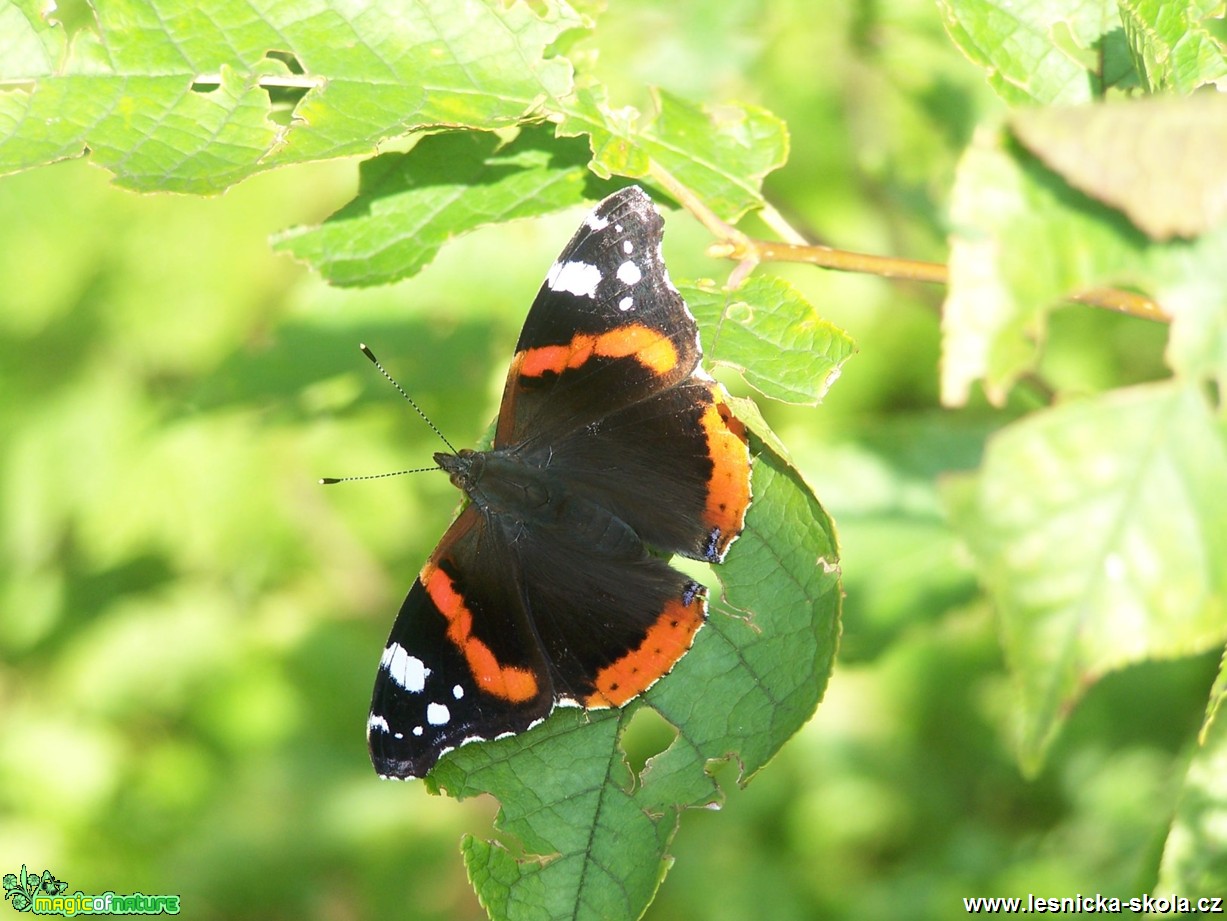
x=748, y=252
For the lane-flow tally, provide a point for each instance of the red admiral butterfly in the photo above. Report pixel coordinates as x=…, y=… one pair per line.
x=610, y=439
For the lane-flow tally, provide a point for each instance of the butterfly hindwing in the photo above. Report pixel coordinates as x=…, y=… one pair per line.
x=611, y=625
x=675, y=466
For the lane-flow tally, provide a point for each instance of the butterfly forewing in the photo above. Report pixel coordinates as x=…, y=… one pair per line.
x=606, y=329
x=462, y=662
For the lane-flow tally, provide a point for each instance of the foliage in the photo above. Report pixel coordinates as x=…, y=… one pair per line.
x=188, y=628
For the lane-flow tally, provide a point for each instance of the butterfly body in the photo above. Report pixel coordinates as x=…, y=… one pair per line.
x=611, y=443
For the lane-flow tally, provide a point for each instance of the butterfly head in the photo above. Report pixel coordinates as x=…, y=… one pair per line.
x=463, y=468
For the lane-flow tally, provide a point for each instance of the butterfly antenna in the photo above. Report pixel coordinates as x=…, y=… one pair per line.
x=329, y=480
x=401, y=390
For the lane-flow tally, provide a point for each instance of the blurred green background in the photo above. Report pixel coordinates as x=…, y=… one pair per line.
x=189, y=625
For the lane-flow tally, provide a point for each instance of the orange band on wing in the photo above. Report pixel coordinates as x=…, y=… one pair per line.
x=728, y=491
x=505, y=681
x=667, y=641
x=651, y=348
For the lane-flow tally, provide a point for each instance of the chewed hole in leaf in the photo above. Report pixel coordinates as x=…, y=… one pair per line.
x=205, y=85
x=284, y=99
x=646, y=735
x=288, y=58
x=75, y=16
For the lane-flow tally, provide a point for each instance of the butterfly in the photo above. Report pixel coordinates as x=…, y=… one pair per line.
x=611, y=442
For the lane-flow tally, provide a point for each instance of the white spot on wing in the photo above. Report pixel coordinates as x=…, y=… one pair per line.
x=626, y=303
x=457, y=692
x=628, y=273
x=578, y=278
x=438, y=714
x=406, y=670
x=375, y=721
x=596, y=223
x=417, y=730
x=628, y=247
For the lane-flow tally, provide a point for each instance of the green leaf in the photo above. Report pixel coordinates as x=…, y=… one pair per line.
x=721, y=153
x=179, y=100
x=1218, y=697
x=1160, y=160
x=1017, y=245
x=768, y=332
x=175, y=97
x=1194, y=289
x=1172, y=49
x=594, y=836
x=1195, y=857
x=410, y=204
x=1100, y=528
x=1022, y=241
x=1036, y=52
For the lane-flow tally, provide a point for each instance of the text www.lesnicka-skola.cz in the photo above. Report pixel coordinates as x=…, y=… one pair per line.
x=1096, y=904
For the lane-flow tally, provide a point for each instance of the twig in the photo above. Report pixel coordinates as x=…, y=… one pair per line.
x=748, y=252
